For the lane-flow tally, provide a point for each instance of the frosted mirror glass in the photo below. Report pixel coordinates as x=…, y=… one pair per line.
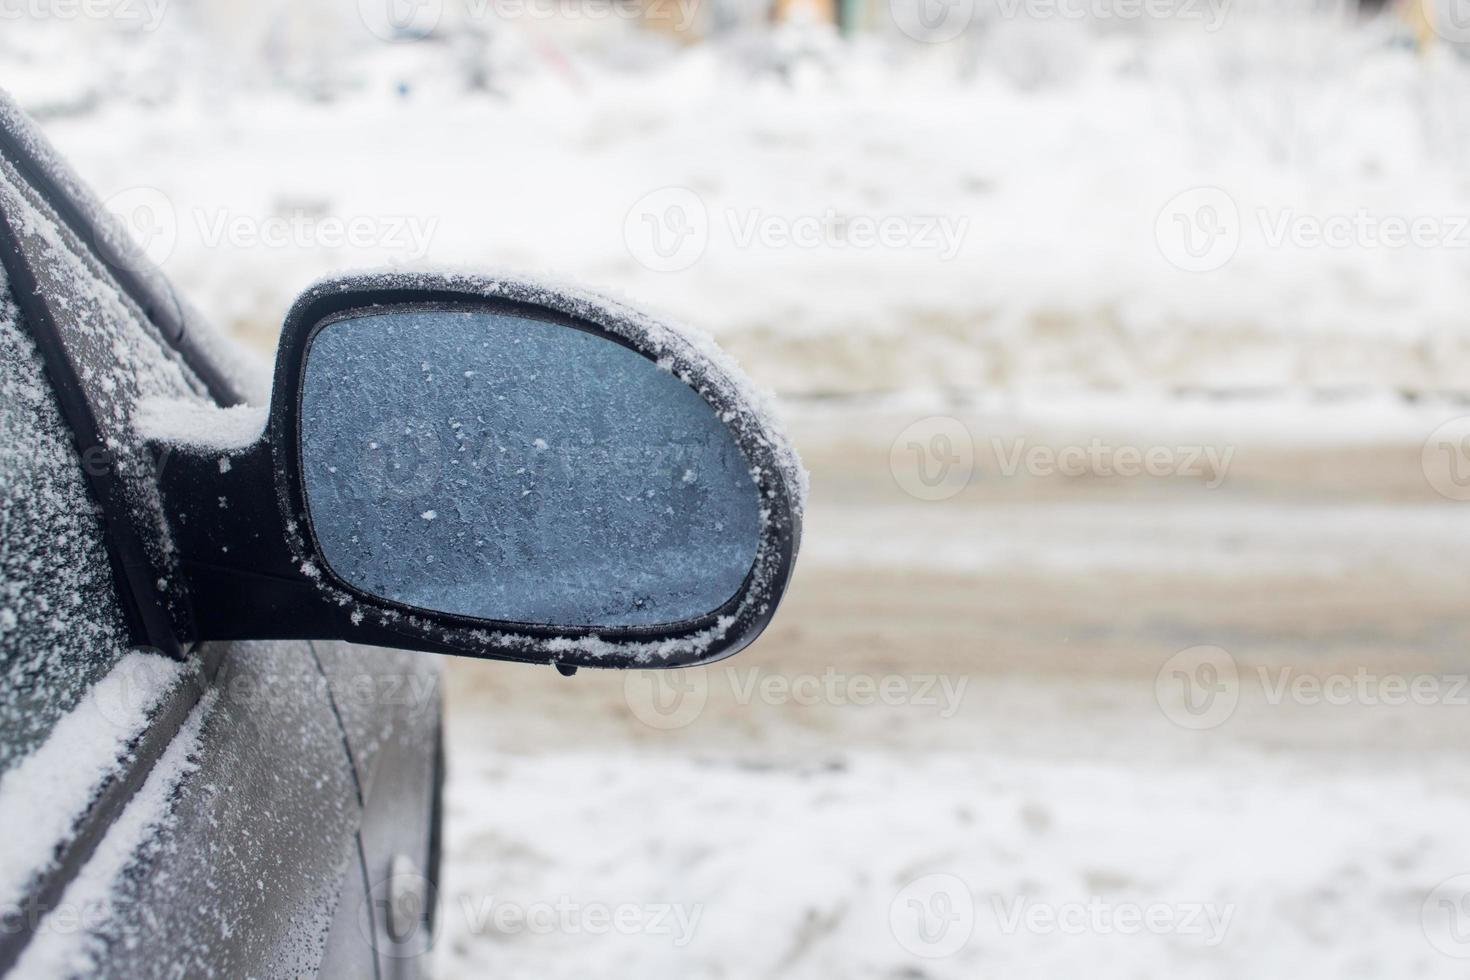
x=508, y=468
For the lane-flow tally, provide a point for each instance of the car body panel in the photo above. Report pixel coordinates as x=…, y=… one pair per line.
x=239, y=872
x=236, y=848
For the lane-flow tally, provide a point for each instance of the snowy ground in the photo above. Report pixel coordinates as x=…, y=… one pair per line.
x=1000, y=736
x=1033, y=775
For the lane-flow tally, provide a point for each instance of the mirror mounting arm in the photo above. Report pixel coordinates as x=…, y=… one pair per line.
x=231, y=546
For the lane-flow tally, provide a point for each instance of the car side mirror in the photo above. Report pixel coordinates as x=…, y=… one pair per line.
x=493, y=468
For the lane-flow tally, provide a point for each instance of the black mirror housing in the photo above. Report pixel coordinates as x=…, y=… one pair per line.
x=254, y=562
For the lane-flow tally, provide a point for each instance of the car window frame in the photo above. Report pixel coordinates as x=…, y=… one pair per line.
x=44, y=172
x=91, y=824
x=147, y=618
x=137, y=595
x=152, y=296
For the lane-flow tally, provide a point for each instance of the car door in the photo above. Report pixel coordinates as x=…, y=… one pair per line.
x=176, y=816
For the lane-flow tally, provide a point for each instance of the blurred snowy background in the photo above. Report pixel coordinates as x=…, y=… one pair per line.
x=1127, y=343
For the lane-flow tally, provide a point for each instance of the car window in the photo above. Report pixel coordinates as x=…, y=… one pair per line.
x=61, y=628
x=120, y=361
x=75, y=700
x=81, y=707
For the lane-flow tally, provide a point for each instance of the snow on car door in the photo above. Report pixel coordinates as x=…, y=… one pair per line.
x=166, y=817
x=75, y=702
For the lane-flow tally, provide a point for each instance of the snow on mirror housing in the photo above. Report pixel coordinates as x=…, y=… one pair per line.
x=494, y=468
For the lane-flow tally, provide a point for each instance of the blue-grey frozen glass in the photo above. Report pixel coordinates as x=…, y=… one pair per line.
x=511, y=469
